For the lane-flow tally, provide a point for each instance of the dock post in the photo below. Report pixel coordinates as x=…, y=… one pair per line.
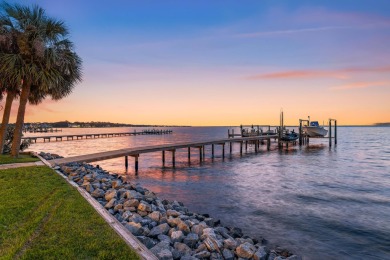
x=246, y=146
x=335, y=132
x=300, y=132
x=223, y=150
x=204, y=152
x=189, y=153
x=200, y=153
x=268, y=144
x=212, y=151
x=330, y=132
x=163, y=158
x=136, y=162
x=256, y=146
x=126, y=162
x=228, y=133
x=173, y=158
x=240, y=148
x=230, y=147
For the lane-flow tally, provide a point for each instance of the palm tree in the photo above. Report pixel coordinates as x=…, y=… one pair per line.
x=12, y=94
x=44, y=60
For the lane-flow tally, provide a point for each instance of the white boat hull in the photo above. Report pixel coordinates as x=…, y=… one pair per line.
x=313, y=131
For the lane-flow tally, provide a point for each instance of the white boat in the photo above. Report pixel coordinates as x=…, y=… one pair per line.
x=315, y=130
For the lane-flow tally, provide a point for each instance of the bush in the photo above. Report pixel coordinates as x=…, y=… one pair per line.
x=8, y=141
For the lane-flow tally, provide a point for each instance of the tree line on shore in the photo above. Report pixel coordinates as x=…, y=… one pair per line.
x=37, y=61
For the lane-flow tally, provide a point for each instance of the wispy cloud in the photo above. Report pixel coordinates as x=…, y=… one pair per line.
x=292, y=31
x=301, y=74
x=365, y=84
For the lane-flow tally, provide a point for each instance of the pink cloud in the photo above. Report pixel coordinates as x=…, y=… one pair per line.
x=359, y=85
x=300, y=74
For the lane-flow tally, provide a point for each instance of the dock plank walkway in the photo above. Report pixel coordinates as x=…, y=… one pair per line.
x=136, y=151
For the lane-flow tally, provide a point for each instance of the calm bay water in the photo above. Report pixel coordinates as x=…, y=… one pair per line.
x=319, y=202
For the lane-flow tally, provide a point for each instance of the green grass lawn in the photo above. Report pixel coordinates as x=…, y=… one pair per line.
x=43, y=217
x=5, y=158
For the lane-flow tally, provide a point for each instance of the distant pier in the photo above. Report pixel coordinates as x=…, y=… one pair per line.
x=49, y=138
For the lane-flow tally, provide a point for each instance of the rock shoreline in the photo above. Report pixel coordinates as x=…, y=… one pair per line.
x=167, y=228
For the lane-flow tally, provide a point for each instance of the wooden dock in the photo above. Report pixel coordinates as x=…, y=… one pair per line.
x=200, y=146
x=91, y=136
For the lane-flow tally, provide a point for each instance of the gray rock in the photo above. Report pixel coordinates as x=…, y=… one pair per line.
x=202, y=254
x=182, y=248
x=116, y=184
x=212, y=244
x=230, y=243
x=209, y=222
x=144, y=206
x=245, y=250
x=110, y=194
x=98, y=193
x=155, y=216
x=164, y=237
x=132, y=194
x=131, y=203
x=110, y=204
x=172, y=213
x=208, y=232
x=294, y=257
x=227, y=254
x=216, y=256
x=197, y=229
x=183, y=227
x=261, y=254
x=89, y=188
x=118, y=207
x=173, y=222
x=160, y=246
x=177, y=236
x=142, y=213
x=147, y=241
x=126, y=215
x=134, y=228
x=191, y=239
x=160, y=229
x=188, y=257
x=165, y=254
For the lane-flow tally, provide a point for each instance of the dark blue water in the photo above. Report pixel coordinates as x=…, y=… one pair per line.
x=317, y=201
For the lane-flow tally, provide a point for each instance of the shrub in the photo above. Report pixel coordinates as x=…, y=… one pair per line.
x=8, y=141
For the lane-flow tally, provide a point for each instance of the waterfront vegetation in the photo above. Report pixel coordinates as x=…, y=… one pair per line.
x=23, y=158
x=41, y=217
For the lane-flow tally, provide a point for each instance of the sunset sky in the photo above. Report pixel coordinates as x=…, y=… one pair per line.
x=225, y=62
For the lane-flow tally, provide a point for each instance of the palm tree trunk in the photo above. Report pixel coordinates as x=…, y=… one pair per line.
x=6, y=115
x=20, y=118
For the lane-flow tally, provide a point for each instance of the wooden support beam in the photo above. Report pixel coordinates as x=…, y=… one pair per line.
x=163, y=158
x=173, y=158
x=240, y=148
x=212, y=151
x=268, y=144
x=189, y=153
x=136, y=162
x=335, y=132
x=200, y=153
x=223, y=150
x=230, y=147
x=246, y=146
x=330, y=133
x=204, y=152
x=256, y=146
x=126, y=162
